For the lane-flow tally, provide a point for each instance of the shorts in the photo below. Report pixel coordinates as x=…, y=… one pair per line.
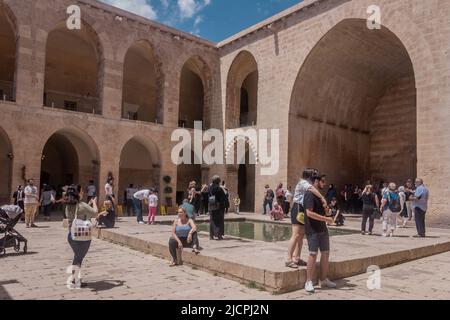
x=318, y=241
x=296, y=208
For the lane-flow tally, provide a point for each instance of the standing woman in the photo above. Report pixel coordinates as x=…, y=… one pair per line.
x=287, y=201
x=109, y=189
x=370, y=202
x=205, y=195
x=227, y=197
x=280, y=194
x=217, y=210
x=75, y=209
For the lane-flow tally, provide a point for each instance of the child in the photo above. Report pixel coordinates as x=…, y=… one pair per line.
x=335, y=213
x=152, y=207
x=237, y=202
x=277, y=212
x=107, y=218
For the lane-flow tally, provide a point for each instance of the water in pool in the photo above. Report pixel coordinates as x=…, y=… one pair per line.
x=263, y=231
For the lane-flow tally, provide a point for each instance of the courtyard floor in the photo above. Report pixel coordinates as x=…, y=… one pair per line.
x=115, y=272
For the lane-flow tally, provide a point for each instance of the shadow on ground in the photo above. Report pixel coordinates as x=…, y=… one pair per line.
x=104, y=285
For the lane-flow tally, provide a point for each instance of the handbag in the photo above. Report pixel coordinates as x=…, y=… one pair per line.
x=376, y=215
x=81, y=230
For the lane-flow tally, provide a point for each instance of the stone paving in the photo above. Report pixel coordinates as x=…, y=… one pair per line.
x=116, y=272
x=263, y=262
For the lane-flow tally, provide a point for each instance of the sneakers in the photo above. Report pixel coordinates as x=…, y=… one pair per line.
x=309, y=287
x=71, y=283
x=141, y=222
x=327, y=284
x=33, y=225
x=384, y=234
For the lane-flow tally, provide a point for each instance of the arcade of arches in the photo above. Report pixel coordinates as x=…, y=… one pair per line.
x=353, y=108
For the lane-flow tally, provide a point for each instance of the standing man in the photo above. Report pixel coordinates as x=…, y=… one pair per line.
x=130, y=191
x=420, y=207
x=268, y=199
x=91, y=191
x=31, y=203
x=317, y=235
x=409, y=191
x=19, y=197
x=138, y=197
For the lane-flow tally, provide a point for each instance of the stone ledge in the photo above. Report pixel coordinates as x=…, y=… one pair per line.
x=265, y=278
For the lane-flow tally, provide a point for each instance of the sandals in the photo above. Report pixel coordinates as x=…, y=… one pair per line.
x=300, y=263
x=196, y=251
x=291, y=264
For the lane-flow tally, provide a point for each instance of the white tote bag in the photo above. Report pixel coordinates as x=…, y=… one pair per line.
x=81, y=230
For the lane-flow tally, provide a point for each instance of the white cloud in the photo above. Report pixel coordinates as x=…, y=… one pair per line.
x=140, y=7
x=198, y=20
x=165, y=4
x=189, y=8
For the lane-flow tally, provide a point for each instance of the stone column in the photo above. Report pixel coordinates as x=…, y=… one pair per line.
x=30, y=72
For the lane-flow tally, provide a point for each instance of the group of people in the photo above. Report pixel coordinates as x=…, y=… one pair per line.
x=279, y=204
x=395, y=206
x=312, y=213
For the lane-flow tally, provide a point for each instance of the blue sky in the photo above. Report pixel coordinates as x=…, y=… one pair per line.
x=214, y=20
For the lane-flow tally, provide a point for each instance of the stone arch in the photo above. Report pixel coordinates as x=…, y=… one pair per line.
x=242, y=174
x=347, y=87
x=140, y=164
x=143, y=84
x=8, y=53
x=74, y=69
x=195, y=93
x=70, y=155
x=6, y=157
x=242, y=91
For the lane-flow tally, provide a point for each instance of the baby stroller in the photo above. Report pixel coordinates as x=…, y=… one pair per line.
x=9, y=216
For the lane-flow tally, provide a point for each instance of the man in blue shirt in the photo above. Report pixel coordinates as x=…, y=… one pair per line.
x=420, y=206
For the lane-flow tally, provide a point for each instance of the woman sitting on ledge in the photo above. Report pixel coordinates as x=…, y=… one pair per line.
x=184, y=234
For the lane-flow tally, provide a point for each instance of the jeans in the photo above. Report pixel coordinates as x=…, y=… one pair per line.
x=419, y=216
x=79, y=248
x=267, y=202
x=137, y=209
x=173, y=245
x=367, y=215
x=129, y=207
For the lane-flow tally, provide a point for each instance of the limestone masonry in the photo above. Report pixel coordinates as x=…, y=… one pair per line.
x=358, y=104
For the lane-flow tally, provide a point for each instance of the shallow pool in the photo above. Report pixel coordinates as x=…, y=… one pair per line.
x=264, y=231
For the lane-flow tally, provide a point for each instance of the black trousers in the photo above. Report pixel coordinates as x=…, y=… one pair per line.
x=419, y=216
x=217, y=224
x=80, y=250
x=367, y=214
x=173, y=245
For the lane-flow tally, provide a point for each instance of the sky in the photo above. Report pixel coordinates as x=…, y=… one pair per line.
x=214, y=20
